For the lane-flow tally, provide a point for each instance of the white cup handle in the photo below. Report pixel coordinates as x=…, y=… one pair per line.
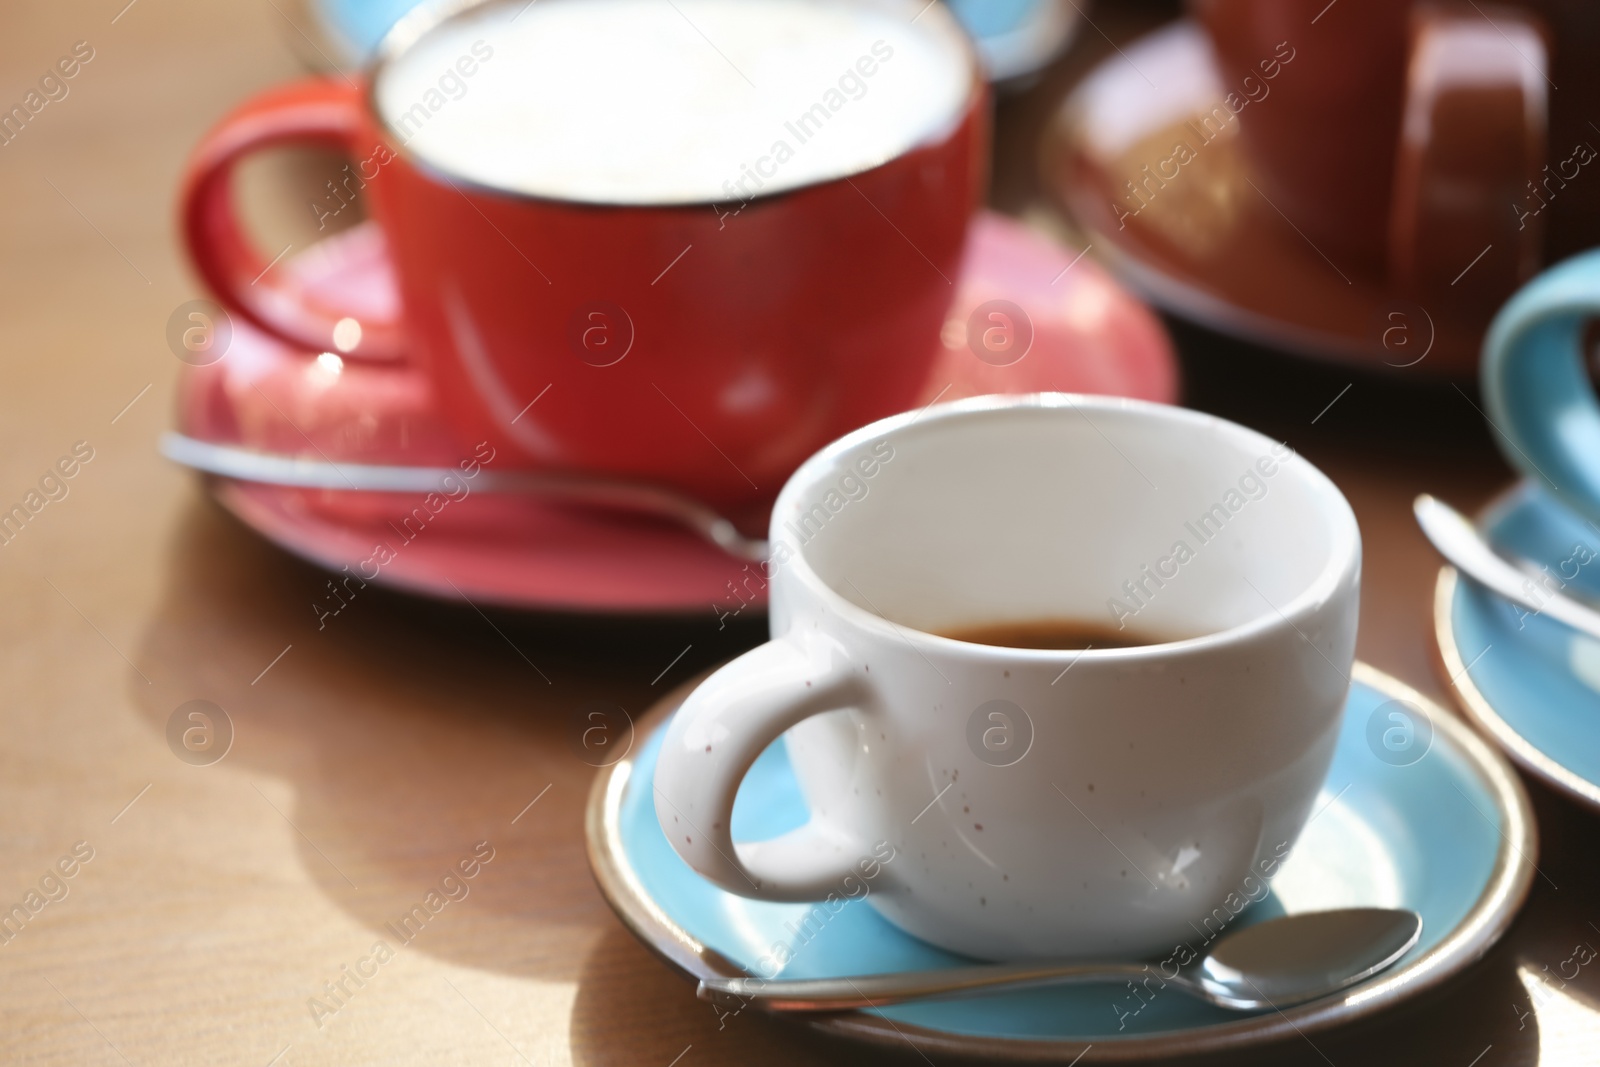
x=711, y=743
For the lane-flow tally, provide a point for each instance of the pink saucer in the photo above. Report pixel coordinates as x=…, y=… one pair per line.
x=1088, y=335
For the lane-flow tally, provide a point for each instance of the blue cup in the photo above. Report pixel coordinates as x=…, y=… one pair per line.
x=1539, y=397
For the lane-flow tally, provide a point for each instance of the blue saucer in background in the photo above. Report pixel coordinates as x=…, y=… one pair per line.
x=1530, y=683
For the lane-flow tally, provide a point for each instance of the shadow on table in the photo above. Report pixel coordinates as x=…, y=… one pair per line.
x=632, y=1008
x=408, y=731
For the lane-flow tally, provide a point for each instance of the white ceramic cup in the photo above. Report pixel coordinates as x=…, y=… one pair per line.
x=1099, y=803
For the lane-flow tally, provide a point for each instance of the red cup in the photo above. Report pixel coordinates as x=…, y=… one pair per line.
x=710, y=347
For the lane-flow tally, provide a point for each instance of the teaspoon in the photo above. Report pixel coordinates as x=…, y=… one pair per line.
x=248, y=465
x=1273, y=964
x=1460, y=543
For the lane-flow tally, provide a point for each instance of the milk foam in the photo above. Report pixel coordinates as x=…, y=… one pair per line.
x=673, y=101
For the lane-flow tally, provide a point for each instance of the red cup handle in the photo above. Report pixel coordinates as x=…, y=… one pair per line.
x=318, y=111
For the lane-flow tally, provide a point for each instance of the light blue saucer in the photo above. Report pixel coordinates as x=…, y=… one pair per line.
x=1530, y=683
x=1417, y=812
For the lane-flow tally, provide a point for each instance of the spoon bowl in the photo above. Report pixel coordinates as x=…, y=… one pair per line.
x=1302, y=957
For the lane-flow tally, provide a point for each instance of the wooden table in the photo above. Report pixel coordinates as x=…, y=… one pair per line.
x=373, y=755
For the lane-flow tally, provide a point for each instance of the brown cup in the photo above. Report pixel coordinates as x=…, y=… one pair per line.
x=1323, y=142
x=1398, y=137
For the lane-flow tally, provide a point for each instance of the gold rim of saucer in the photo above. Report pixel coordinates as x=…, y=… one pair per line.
x=1477, y=709
x=1489, y=918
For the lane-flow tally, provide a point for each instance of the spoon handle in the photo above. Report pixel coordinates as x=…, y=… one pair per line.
x=873, y=990
x=1460, y=543
x=244, y=464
